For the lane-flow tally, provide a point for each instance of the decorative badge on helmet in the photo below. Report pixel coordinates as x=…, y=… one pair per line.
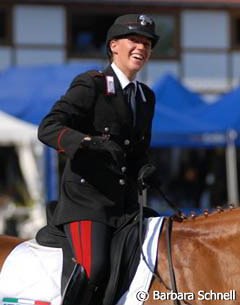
x=145, y=20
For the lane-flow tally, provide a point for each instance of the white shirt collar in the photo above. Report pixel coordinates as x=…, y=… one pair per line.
x=124, y=81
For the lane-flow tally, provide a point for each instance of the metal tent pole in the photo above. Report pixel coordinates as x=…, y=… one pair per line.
x=231, y=168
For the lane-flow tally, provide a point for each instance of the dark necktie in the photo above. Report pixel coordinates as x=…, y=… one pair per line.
x=129, y=91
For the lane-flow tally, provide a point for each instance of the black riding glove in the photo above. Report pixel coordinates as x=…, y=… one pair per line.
x=103, y=144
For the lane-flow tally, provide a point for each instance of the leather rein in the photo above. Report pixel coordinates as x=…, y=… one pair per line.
x=178, y=216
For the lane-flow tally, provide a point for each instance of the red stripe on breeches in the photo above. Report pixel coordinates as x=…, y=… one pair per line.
x=81, y=233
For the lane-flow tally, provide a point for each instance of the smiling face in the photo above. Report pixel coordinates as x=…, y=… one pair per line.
x=130, y=53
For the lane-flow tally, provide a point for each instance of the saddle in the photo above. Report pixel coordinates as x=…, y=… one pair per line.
x=125, y=255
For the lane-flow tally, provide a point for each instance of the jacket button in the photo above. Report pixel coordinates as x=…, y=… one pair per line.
x=121, y=181
x=82, y=180
x=126, y=142
x=123, y=169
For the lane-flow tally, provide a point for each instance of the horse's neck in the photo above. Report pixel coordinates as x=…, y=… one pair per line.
x=205, y=252
x=7, y=244
x=211, y=226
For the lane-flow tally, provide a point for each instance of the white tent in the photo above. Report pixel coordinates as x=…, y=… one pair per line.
x=23, y=136
x=15, y=131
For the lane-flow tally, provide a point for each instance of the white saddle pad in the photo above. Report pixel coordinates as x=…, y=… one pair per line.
x=138, y=290
x=32, y=273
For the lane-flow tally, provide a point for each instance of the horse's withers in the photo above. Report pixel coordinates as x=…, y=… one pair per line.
x=8, y=243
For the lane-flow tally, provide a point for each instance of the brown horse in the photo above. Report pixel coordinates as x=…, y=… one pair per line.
x=206, y=261
x=205, y=256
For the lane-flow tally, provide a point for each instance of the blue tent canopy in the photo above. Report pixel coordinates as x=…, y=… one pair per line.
x=29, y=92
x=171, y=128
x=177, y=121
x=181, y=121
x=170, y=92
x=225, y=112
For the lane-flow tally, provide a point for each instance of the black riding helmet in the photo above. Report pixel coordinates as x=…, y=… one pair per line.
x=132, y=24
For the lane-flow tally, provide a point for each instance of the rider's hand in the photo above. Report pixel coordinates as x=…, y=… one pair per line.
x=147, y=175
x=103, y=144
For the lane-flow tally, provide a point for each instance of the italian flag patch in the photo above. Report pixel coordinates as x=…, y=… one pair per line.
x=21, y=301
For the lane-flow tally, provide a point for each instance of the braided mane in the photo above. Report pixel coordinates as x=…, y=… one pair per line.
x=205, y=213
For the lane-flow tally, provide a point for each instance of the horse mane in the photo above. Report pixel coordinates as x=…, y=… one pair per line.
x=206, y=213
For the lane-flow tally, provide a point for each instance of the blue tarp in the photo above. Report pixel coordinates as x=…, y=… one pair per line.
x=171, y=93
x=177, y=121
x=29, y=92
x=225, y=112
x=171, y=128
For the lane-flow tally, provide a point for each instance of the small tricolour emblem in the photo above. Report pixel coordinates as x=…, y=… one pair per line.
x=22, y=301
